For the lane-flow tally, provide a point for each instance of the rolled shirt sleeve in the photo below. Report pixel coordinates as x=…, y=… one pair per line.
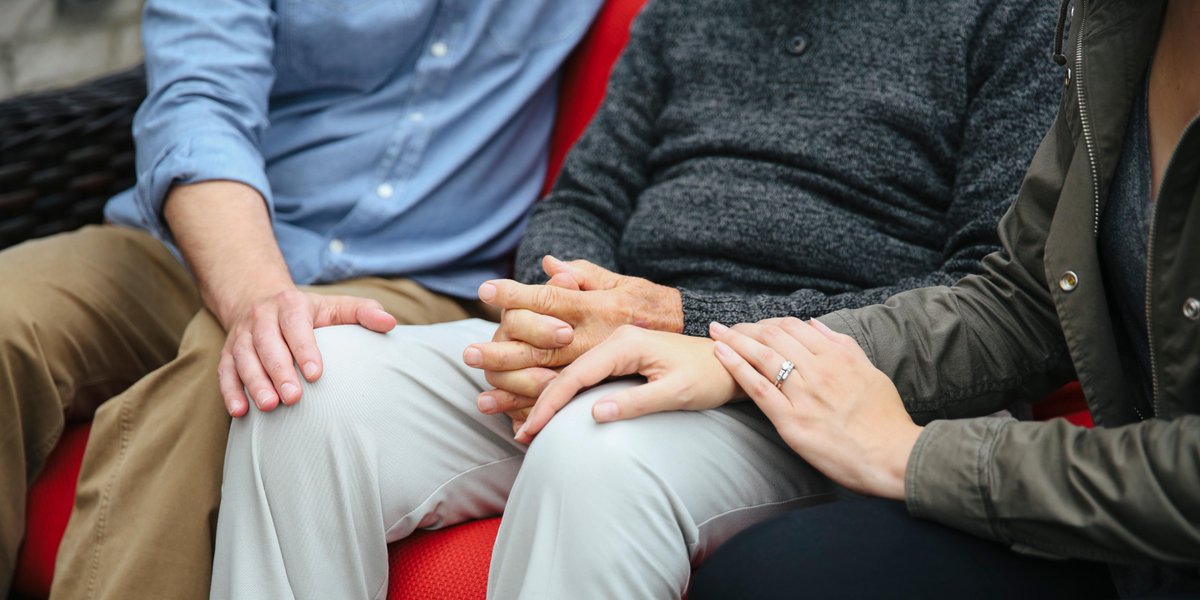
x=209, y=72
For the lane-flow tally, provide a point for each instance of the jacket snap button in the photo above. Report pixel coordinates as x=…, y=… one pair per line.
x=1067, y=78
x=797, y=44
x=1191, y=308
x=1068, y=281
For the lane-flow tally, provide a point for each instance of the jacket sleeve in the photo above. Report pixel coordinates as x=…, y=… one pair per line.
x=1125, y=494
x=1010, y=94
x=209, y=75
x=584, y=215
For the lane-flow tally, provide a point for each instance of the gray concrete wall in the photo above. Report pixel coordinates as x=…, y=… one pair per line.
x=52, y=43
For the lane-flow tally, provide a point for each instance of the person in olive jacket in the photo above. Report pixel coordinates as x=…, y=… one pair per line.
x=1098, y=279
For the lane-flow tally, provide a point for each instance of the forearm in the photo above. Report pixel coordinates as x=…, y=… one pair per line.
x=224, y=232
x=1124, y=494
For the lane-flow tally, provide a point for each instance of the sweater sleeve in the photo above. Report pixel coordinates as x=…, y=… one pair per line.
x=1011, y=94
x=606, y=169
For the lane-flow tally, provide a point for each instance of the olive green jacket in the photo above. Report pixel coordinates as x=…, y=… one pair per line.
x=1127, y=492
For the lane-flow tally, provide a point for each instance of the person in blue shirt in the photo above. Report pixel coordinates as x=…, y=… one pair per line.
x=300, y=164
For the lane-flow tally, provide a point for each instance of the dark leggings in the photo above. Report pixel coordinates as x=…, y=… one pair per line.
x=872, y=548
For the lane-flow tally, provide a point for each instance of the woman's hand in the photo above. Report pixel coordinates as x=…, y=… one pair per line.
x=681, y=372
x=835, y=409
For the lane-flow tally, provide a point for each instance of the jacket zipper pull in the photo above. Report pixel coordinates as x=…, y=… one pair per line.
x=1059, y=57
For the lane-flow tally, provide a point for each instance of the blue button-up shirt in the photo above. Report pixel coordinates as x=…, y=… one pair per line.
x=388, y=138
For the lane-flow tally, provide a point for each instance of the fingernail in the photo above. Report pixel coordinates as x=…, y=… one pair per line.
x=487, y=292
x=289, y=391
x=723, y=350
x=606, y=411
x=716, y=328
x=563, y=335
x=487, y=403
x=472, y=356
x=521, y=432
x=310, y=370
x=263, y=397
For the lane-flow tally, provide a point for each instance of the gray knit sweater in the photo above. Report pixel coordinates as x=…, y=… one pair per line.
x=785, y=157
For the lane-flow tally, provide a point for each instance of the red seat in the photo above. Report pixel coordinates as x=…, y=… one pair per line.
x=449, y=563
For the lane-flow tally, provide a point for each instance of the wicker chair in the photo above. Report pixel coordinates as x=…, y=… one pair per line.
x=64, y=153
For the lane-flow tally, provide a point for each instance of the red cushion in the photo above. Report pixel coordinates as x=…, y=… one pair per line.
x=1067, y=403
x=48, y=507
x=585, y=78
x=449, y=563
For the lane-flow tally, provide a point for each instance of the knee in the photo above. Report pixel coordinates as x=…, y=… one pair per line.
x=581, y=458
x=363, y=374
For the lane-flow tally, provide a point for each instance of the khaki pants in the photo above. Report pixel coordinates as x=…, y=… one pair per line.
x=107, y=312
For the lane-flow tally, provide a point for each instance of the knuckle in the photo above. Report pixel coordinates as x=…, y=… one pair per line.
x=761, y=386
x=628, y=331
x=540, y=356
x=544, y=296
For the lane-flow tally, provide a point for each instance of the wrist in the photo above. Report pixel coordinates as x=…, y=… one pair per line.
x=895, y=463
x=663, y=310
x=231, y=302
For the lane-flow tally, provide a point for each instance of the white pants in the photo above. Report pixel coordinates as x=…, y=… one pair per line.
x=389, y=441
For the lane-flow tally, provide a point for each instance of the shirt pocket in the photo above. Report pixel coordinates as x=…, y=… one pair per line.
x=522, y=25
x=352, y=44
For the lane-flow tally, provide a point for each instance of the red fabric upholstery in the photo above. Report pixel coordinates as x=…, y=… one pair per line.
x=48, y=507
x=585, y=78
x=448, y=563
x=1068, y=403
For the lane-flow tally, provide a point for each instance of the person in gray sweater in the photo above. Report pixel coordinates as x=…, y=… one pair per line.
x=751, y=159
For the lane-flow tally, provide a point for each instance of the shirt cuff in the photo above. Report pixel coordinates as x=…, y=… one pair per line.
x=948, y=478
x=205, y=156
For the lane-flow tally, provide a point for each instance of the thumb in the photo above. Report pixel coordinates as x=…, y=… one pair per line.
x=349, y=310
x=564, y=280
x=654, y=396
x=589, y=276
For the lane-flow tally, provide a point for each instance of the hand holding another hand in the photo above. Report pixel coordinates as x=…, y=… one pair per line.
x=835, y=409
x=681, y=374
x=544, y=327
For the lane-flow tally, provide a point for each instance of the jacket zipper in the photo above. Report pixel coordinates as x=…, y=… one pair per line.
x=1087, y=141
x=1149, y=325
x=1083, y=119
x=1150, y=271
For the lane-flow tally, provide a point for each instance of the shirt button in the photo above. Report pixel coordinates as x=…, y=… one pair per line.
x=1068, y=281
x=439, y=49
x=1191, y=308
x=797, y=44
x=385, y=190
x=336, y=246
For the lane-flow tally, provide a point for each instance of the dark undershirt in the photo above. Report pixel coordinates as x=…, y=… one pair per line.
x=1124, y=236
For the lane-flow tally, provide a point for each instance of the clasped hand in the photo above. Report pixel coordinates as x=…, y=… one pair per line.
x=544, y=327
